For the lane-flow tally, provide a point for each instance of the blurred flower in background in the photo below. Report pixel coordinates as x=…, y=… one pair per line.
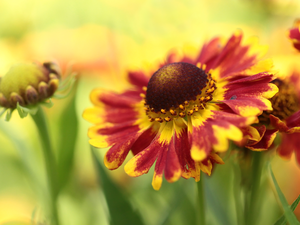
x=286, y=116
x=103, y=40
x=294, y=34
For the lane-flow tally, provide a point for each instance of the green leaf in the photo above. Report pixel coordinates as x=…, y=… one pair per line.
x=68, y=127
x=120, y=209
x=8, y=114
x=215, y=201
x=282, y=219
x=180, y=204
x=288, y=212
x=22, y=113
x=24, y=148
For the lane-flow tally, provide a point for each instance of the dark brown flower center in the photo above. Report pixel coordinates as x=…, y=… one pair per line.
x=173, y=84
x=284, y=103
x=177, y=89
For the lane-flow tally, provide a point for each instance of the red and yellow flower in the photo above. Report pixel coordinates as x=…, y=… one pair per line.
x=184, y=114
x=294, y=34
x=286, y=115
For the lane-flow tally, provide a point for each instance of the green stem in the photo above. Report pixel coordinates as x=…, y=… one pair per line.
x=50, y=163
x=237, y=194
x=201, y=199
x=253, y=208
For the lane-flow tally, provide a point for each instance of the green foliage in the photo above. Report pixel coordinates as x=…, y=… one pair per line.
x=288, y=211
x=68, y=127
x=120, y=210
x=282, y=219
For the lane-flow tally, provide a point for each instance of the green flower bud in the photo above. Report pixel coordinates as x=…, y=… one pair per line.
x=28, y=84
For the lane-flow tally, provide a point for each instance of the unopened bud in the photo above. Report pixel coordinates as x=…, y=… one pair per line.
x=28, y=84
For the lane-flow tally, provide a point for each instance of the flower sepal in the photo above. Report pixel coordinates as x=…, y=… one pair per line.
x=65, y=86
x=23, y=111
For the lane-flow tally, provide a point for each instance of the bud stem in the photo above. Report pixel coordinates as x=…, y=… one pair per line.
x=50, y=163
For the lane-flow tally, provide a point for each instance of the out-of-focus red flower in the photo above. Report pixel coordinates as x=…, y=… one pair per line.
x=284, y=118
x=289, y=127
x=294, y=34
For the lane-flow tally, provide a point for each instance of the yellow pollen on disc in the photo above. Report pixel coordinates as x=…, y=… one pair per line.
x=172, y=112
x=168, y=119
x=190, y=112
x=182, y=114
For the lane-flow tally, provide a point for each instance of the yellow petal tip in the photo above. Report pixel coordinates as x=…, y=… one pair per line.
x=198, y=154
x=98, y=143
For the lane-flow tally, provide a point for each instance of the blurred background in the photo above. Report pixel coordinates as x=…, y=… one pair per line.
x=101, y=40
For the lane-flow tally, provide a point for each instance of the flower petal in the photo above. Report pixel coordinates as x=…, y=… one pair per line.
x=103, y=136
x=246, y=106
x=216, y=158
x=172, y=167
x=224, y=131
x=93, y=115
x=142, y=162
x=111, y=129
x=227, y=51
x=118, y=115
x=293, y=122
x=116, y=155
x=202, y=140
x=290, y=125
x=106, y=114
x=290, y=143
x=255, y=134
x=234, y=119
x=294, y=34
x=182, y=148
x=100, y=97
x=143, y=141
x=265, y=142
x=215, y=132
x=138, y=78
x=159, y=168
x=209, y=51
x=246, y=96
x=206, y=166
x=256, y=85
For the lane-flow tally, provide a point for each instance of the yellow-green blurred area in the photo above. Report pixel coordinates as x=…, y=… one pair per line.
x=101, y=40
